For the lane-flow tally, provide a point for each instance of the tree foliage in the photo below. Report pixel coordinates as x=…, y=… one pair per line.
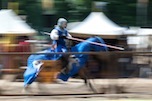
x=74, y=10
x=122, y=12
x=33, y=10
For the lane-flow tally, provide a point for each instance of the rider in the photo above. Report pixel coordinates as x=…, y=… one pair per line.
x=59, y=34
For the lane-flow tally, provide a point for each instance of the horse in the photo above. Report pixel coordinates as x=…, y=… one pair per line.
x=75, y=62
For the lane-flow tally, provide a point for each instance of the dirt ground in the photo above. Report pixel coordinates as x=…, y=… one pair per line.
x=133, y=89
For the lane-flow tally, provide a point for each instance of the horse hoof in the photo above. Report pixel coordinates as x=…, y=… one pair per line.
x=59, y=81
x=26, y=90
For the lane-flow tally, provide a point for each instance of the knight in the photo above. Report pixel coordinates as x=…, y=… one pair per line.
x=59, y=34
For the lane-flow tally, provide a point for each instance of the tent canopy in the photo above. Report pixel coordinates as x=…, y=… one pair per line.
x=97, y=24
x=10, y=23
x=142, y=39
x=144, y=31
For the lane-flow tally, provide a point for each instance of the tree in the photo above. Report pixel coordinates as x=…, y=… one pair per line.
x=149, y=18
x=79, y=9
x=61, y=8
x=33, y=10
x=122, y=12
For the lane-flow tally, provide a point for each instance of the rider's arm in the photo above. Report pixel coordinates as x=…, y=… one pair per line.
x=68, y=35
x=65, y=36
x=54, y=35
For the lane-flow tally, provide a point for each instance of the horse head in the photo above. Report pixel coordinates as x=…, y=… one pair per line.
x=87, y=46
x=77, y=61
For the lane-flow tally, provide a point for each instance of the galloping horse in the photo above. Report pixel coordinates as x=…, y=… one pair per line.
x=34, y=61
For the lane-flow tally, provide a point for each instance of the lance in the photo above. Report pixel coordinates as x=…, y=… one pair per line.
x=95, y=43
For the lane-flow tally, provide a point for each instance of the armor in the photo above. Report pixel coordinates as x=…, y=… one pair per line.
x=61, y=21
x=59, y=34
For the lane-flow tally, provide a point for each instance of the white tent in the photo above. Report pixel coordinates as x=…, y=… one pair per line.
x=142, y=39
x=10, y=23
x=139, y=31
x=97, y=24
x=145, y=31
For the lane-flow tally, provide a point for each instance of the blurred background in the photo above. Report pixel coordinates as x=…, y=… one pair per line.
x=124, y=23
x=42, y=14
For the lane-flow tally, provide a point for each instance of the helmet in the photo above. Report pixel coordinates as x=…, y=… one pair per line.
x=61, y=21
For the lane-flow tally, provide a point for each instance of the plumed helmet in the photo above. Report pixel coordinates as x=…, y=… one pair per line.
x=61, y=21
